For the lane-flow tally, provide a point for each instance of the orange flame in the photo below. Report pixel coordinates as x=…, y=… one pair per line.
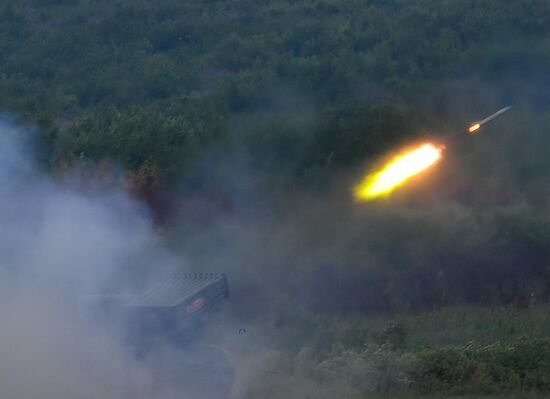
x=398, y=171
x=473, y=128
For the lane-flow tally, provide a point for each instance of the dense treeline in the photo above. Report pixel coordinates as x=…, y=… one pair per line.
x=189, y=68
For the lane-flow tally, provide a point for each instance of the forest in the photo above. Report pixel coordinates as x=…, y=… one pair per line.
x=136, y=80
x=241, y=125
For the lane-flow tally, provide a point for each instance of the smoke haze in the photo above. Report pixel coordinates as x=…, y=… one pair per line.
x=59, y=244
x=433, y=244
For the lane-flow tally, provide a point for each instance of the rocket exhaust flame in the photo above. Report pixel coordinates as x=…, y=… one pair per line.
x=397, y=171
x=408, y=164
x=472, y=129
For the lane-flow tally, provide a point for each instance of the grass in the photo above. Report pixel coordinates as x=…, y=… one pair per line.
x=460, y=352
x=455, y=326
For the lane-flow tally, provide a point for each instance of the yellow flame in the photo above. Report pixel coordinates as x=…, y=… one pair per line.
x=397, y=171
x=473, y=128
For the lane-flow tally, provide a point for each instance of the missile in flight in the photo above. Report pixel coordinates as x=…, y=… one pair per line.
x=476, y=125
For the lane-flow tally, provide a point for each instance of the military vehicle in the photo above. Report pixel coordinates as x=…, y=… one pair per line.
x=163, y=325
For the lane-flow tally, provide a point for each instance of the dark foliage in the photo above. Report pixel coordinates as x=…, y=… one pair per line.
x=196, y=65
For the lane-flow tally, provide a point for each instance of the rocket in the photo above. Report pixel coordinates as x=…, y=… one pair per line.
x=476, y=125
x=405, y=165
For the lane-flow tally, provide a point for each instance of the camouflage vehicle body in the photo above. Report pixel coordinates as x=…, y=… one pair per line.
x=163, y=326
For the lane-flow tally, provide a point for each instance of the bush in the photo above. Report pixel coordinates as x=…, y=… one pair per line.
x=523, y=364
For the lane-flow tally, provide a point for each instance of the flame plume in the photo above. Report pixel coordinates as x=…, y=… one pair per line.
x=398, y=171
x=472, y=129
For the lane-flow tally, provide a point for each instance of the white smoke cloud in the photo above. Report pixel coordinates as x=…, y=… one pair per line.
x=57, y=245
